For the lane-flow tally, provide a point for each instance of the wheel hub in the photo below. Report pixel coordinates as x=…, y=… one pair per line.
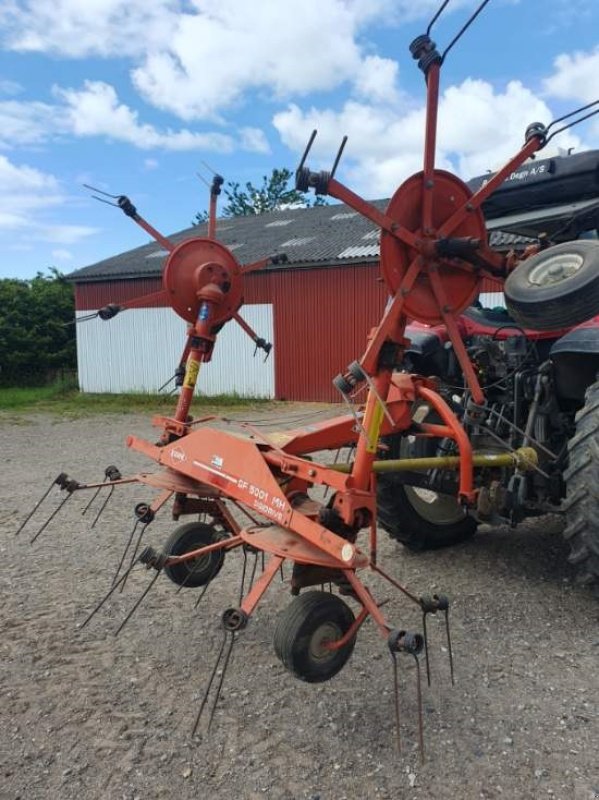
x=556, y=269
x=322, y=636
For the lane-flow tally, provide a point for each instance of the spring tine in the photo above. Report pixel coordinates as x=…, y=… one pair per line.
x=428, y=668
x=112, y=589
x=262, y=562
x=253, y=575
x=222, y=678
x=35, y=507
x=103, y=506
x=282, y=573
x=449, y=650
x=136, y=548
x=96, y=493
x=202, y=593
x=209, y=684
x=124, y=554
x=330, y=588
x=307, y=150
x=138, y=602
x=50, y=518
x=396, y=699
x=242, y=586
x=419, y=700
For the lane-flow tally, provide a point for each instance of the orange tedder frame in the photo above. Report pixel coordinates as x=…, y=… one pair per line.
x=434, y=256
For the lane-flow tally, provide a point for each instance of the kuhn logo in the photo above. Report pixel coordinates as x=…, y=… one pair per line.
x=217, y=462
x=178, y=455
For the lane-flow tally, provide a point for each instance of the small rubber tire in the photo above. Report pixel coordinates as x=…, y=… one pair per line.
x=302, y=629
x=556, y=288
x=419, y=521
x=581, y=505
x=195, y=572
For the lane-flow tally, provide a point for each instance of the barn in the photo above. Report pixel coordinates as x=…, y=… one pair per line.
x=316, y=309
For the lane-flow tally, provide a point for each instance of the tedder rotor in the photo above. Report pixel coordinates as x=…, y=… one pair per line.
x=434, y=256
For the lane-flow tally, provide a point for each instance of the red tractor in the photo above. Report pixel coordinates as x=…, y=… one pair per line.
x=538, y=371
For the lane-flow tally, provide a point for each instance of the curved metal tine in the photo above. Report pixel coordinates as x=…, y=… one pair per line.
x=571, y=125
x=463, y=29
x=571, y=114
x=202, y=593
x=51, y=517
x=166, y=383
x=338, y=157
x=209, y=684
x=209, y=168
x=419, y=700
x=308, y=148
x=243, y=571
x=436, y=17
x=281, y=572
x=203, y=179
x=222, y=678
x=102, y=507
x=96, y=493
x=35, y=507
x=124, y=554
x=396, y=701
x=136, y=548
x=253, y=575
x=428, y=669
x=138, y=602
x=112, y=589
x=101, y=191
x=449, y=650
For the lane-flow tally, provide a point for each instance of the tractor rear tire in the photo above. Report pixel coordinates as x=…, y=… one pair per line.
x=556, y=288
x=420, y=519
x=303, y=629
x=582, y=485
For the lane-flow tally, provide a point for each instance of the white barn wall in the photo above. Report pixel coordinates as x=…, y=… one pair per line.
x=138, y=351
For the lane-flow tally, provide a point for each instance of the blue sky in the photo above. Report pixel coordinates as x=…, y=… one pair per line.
x=132, y=95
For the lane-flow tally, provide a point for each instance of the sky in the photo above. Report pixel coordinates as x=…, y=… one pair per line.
x=137, y=96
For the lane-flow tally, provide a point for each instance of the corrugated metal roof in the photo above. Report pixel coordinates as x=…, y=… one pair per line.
x=323, y=235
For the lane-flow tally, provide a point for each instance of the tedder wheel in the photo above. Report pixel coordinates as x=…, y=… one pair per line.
x=303, y=630
x=582, y=491
x=197, y=571
x=556, y=288
x=419, y=518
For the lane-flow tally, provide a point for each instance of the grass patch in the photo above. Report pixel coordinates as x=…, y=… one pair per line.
x=64, y=399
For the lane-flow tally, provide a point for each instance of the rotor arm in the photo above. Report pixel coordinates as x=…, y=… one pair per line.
x=261, y=344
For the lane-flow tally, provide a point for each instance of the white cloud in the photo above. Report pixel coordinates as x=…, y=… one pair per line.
x=386, y=144
x=26, y=123
x=26, y=194
x=575, y=77
x=149, y=165
x=94, y=27
x=254, y=140
x=62, y=255
x=96, y=111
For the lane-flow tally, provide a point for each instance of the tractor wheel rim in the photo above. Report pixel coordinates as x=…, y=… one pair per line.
x=438, y=509
x=556, y=269
x=325, y=633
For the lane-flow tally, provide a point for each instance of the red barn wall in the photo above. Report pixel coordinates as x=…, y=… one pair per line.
x=321, y=319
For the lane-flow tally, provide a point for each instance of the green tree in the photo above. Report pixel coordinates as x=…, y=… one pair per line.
x=36, y=338
x=273, y=194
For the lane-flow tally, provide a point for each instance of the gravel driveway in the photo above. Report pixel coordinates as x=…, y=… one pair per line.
x=88, y=715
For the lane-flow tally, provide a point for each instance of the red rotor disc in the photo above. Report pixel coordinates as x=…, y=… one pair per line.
x=461, y=285
x=192, y=266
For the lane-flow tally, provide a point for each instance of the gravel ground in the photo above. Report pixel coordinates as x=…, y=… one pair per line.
x=88, y=715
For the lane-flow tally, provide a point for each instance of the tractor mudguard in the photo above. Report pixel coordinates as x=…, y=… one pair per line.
x=575, y=357
x=427, y=352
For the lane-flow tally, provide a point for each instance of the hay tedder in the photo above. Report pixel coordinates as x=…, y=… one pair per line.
x=256, y=488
